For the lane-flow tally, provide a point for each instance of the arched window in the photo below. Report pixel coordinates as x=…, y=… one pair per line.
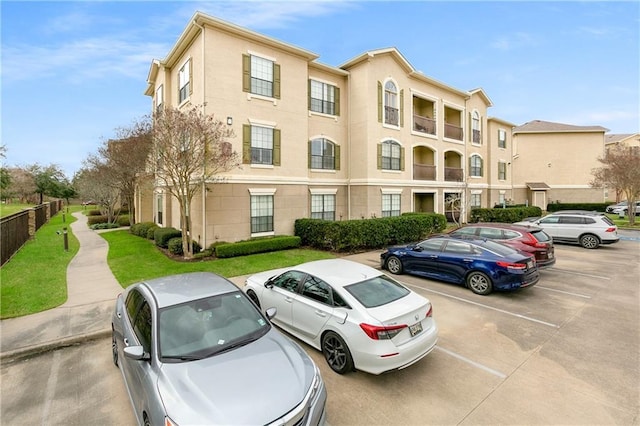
x=475, y=166
x=322, y=154
x=391, y=111
x=475, y=127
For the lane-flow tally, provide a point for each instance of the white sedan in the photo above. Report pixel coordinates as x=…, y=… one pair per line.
x=356, y=315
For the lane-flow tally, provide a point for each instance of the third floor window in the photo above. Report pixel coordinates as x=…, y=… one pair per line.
x=260, y=76
x=324, y=98
x=184, y=82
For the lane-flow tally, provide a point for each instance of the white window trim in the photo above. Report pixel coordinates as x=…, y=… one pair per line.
x=262, y=191
x=391, y=191
x=261, y=55
x=384, y=104
x=262, y=123
x=323, y=191
x=186, y=99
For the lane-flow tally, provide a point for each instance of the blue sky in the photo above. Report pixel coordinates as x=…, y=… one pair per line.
x=73, y=72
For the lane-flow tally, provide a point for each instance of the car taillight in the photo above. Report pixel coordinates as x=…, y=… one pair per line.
x=533, y=242
x=610, y=229
x=381, y=333
x=511, y=265
x=430, y=311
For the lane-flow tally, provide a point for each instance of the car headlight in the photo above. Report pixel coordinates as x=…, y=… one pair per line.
x=169, y=422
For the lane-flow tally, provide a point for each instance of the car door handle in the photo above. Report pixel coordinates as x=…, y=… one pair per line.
x=467, y=260
x=119, y=314
x=320, y=313
x=433, y=256
x=288, y=299
x=126, y=341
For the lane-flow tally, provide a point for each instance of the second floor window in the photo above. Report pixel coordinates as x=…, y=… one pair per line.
x=323, y=98
x=390, y=156
x=502, y=139
x=184, y=82
x=475, y=200
x=323, y=206
x=324, y=155
x=502, y=170
x=260, y=145
x=475, y=166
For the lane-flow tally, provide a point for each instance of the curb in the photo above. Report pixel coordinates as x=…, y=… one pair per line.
x=29, y=351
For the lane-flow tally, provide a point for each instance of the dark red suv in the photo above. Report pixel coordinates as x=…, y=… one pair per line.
x=530, y=239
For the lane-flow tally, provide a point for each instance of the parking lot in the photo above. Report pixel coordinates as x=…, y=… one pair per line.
x=566, y=351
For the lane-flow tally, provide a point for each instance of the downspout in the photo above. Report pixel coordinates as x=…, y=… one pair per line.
x=203, y=245
x=349, y=157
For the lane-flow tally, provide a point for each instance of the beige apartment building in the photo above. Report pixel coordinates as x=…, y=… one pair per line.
x=372, y=137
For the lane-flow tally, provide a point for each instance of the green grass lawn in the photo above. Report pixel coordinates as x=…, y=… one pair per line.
x=35, y=279
x=134, y=259
x=11, y=208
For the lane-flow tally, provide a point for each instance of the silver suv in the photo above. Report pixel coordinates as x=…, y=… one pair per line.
x=589, y=229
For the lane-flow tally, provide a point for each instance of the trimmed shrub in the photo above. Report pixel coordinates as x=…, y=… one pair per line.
x=260, y=245
x=142, y=228
x=510, y=215
x=151, y=231
x=362, y=234
x=123, y=220
x=599, y=207
x=175, y=246
x=163, y=235
x=94, y=212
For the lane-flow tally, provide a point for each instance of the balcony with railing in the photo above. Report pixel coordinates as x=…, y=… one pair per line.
x=391, y=116
x=453, y=174
x=424, y=172
x=424, y=124
x=451, y=131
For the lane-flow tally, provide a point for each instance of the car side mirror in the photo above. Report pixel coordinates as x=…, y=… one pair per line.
x=268, y=283
x=136, y=352
x=417, y=248
x=271, y=312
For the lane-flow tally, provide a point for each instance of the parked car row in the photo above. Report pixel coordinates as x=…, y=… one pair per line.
x=187, y=344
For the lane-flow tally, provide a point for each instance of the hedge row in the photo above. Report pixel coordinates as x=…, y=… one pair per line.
x=143, y=229
x=509, y=215
x=162, y=236
x=355, y=235
x=94, y=220
x=599, y=207
x=261, y=245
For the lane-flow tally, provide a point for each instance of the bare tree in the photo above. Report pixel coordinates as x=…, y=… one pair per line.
x=620, y=170
x=95, y=182
x=190, y=149
x=22, y=185
x=124, y=159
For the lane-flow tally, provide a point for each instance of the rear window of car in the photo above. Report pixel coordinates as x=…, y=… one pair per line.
x=608, y=221
x=377, y=291
x=498, y=248
x=541, y=236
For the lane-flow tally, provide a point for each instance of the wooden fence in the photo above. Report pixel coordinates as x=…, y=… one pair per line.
x=18, y=228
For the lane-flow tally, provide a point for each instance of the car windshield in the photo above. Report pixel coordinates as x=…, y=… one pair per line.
x=205, y=327
x=377, y=291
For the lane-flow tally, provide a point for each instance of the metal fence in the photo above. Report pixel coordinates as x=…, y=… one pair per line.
x=18, y=228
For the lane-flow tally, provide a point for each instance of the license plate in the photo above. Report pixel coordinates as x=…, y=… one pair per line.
x=550, y=255
x=415, y=328
x=529, y=264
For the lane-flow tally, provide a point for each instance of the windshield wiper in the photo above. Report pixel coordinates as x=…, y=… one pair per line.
x=182, y=357
x=231, y=346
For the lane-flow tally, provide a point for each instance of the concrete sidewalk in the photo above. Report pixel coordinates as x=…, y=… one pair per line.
x=86, y=315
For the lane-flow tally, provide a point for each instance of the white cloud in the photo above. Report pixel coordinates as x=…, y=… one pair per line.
x=514, y=41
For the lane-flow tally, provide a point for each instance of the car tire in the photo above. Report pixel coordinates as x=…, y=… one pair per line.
x=479, y=283
x=254, y=298
x=114, y=347
x=394, y=265
x=589, y=241
x=336, y=353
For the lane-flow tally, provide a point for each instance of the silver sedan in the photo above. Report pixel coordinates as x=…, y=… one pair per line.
x=193, y=349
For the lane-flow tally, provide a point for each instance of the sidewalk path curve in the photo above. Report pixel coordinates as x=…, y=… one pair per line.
x=91, y=293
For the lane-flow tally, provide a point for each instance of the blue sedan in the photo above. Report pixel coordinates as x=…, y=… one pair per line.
x=481, y=265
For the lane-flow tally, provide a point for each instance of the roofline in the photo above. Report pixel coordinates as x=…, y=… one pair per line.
x=576, y=130
x=501, y=120
x=328, y=68
x=411, y=71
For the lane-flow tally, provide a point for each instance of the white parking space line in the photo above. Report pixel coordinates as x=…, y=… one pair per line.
x=564, y=292
x=475, y=364
x=568, y=271
x=524, y=317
